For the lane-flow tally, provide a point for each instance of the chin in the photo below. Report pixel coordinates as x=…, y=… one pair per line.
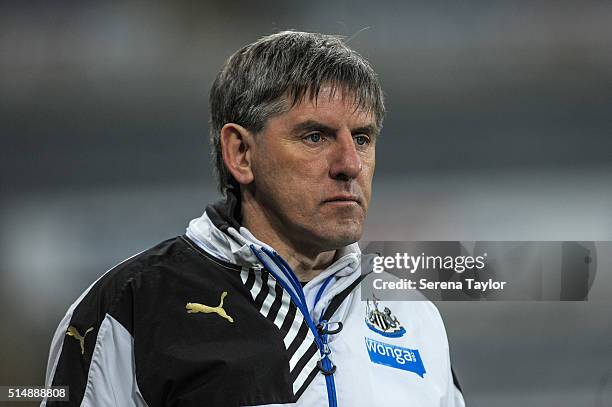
x=341, y=237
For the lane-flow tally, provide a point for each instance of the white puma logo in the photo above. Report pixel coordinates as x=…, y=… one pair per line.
x=193, y=307
x=72, y=331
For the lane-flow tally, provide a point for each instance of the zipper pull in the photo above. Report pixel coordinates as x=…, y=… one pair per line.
x=326, y=366
x=324, y=328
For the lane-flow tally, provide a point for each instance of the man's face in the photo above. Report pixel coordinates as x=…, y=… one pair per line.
x=313, y=168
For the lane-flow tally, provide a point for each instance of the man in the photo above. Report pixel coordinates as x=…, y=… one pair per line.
x=259, y=302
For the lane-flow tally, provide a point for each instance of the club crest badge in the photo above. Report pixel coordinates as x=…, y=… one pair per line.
x=382, y=322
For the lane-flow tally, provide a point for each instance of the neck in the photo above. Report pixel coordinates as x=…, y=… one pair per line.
x=306, y=262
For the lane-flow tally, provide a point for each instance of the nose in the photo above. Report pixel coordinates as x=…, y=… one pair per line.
x=345, y=159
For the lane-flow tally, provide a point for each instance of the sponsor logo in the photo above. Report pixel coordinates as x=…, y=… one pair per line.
x=382, y=322
x=395, y=356
x=72, y=331
x=193, y=307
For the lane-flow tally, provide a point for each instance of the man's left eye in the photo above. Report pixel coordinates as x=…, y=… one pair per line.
x=361, y=140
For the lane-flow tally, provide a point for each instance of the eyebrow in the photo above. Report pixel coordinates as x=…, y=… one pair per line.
x=312, y=125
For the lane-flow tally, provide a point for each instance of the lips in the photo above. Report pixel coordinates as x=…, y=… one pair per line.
x=344, y=198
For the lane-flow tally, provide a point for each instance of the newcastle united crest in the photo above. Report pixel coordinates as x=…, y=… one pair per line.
x=382, y=322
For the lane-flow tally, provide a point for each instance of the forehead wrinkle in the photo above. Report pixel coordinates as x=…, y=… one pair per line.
x=330, y=91
x=314, y=125
x=310, y=124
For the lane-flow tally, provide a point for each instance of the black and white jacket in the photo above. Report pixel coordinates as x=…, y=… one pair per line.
x=216, y=318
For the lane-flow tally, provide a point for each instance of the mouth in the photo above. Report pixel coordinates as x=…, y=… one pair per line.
x=343, y=199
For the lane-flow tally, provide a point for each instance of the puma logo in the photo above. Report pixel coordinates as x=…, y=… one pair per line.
x=72, y=331
x=193, y=307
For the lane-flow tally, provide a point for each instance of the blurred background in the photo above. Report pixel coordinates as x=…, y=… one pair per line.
x=499, y=127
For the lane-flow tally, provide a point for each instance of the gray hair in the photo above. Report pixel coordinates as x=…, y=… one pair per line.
x=273, y=74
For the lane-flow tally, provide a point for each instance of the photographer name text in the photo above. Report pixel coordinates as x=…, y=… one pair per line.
x=424, y=284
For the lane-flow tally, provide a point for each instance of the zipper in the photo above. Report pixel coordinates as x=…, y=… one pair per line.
x=319, y=331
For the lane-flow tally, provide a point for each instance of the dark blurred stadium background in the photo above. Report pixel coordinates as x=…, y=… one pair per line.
x=499, y=127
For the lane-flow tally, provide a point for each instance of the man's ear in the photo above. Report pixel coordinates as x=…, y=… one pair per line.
x=236, y=147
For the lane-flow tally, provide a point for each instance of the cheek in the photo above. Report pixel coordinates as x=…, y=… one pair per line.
x=308, y=174
x=369, y=160
x=293, y=186
x=367, y=175
x=367, y=172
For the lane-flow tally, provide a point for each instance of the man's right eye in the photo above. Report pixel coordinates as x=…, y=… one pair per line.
x=313, y=137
